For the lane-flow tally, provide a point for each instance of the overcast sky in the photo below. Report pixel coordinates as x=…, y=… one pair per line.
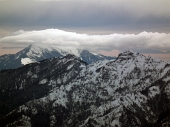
x=107, y=25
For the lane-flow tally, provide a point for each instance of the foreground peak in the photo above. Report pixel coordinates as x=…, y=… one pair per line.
x=128, y=53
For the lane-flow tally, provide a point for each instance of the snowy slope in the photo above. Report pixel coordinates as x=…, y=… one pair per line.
x=18, y=86
x=132, y=91
x=34, y=53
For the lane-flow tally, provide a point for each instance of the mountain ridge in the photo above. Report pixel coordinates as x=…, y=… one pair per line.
x=35, y=53
x=131, y=91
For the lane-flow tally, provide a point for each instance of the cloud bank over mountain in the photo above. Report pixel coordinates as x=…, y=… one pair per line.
x=146, y=42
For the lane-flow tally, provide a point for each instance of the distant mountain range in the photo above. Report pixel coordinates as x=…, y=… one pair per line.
x=35, y=53
x=131, y=91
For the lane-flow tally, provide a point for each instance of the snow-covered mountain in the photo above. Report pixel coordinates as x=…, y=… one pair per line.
x=132, y=91
x=34, y=53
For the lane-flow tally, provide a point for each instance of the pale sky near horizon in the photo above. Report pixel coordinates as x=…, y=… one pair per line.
x=103, y=26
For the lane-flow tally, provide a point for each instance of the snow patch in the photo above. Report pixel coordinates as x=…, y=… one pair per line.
x=29, y=73
x=43, y=81
x=25, y=61
x=166, y=79
x=72, y=50
x=34, y=76
x=69, y=67
x=154, y=91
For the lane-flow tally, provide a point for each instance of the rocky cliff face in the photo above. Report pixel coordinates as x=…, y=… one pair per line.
x=132, y=91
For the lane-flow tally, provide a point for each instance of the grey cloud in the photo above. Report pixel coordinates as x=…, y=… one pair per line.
x=125, y=14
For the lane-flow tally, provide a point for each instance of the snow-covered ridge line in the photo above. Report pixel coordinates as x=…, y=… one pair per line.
x=35, y=53
x=61, y=49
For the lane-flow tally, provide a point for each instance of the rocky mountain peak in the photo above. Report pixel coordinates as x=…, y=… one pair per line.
x=127, y=55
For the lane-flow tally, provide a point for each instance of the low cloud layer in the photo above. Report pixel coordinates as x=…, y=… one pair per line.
x=145, y=42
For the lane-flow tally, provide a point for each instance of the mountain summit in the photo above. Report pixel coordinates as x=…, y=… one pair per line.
x=35, y=53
